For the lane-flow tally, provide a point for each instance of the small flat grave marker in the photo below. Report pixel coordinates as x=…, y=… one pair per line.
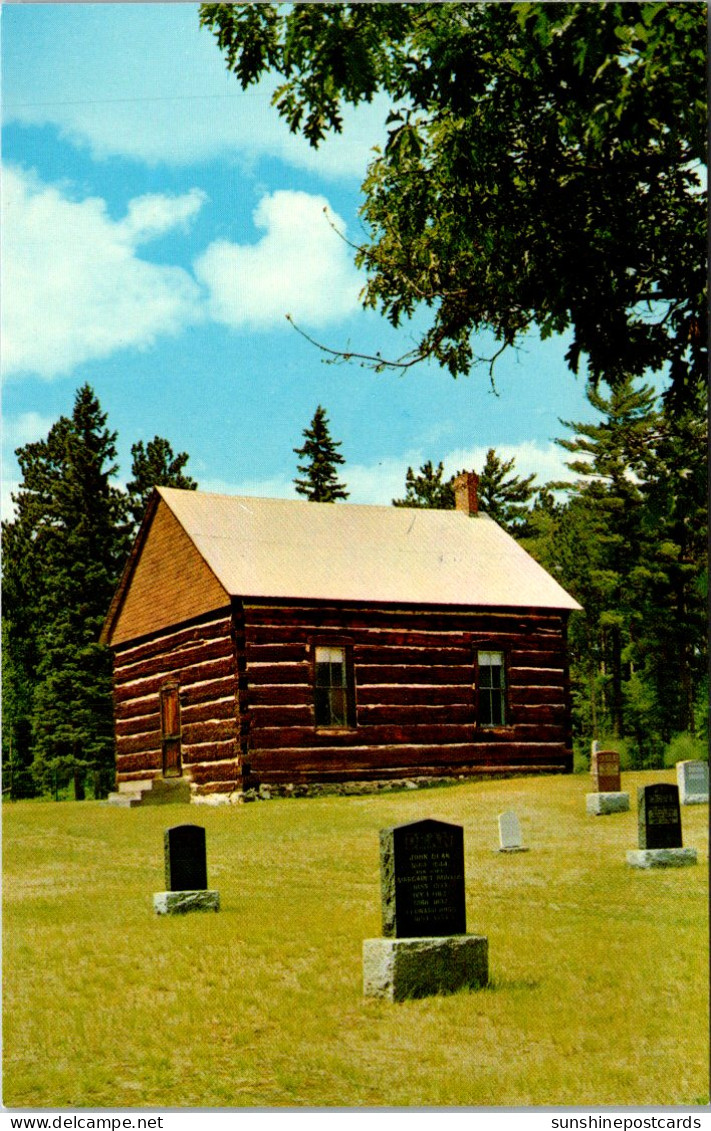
x=693, y=781
x=422, y=880
x=510, y=839
x=185, y=859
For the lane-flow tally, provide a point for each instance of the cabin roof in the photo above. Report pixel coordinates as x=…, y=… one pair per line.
x=283, y=548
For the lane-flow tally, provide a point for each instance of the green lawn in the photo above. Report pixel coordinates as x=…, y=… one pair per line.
x=599, y=990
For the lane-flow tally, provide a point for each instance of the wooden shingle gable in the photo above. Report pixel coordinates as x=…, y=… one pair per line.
x=166, y=580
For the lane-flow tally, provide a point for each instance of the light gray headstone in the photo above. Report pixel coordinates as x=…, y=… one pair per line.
x=509, y=833
x=693, y=781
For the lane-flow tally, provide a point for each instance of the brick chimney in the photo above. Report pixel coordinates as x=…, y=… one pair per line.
x=466, y=492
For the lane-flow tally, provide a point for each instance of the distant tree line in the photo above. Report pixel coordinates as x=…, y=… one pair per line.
x=63, y=552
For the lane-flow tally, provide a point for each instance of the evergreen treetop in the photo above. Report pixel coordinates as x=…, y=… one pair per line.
x=319, y=481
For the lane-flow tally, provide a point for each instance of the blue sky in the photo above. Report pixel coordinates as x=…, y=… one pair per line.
x=159, y=224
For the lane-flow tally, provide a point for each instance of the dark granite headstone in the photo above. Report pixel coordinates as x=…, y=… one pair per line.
x=422, y=880
x=185, y=858
x=605, y=770
x=659, y=816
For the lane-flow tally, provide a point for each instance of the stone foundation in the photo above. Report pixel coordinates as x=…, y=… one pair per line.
x=397, y=969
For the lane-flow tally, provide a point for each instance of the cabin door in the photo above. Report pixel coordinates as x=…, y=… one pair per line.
x=170, y=730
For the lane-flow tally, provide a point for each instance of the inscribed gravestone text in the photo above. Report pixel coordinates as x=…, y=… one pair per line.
x=605, y=770
x=659, y=816
x=422, y=878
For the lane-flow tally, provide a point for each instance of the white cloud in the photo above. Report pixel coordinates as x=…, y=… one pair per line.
x=155, y=214
x=73, y=286
x=546, y=462
x=301, y=267
x=144, y=82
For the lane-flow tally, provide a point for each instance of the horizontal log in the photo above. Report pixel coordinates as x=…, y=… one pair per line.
x=147, y=760
x=535, y=677
x=208, y=752
x=209, y=710
x=415, y=714
x=434, y=654
x=199, y=673
x=228, y=770
x=519, y=658
x=175, y=660
x=212, y=730
x=278, y=673
x=441, y=733
x=278, y=715
x=404, y=760
x=135, y=743
x=537, y=714
x=337, y=618
x=287, y=651
x=429, y=694
x=413, y=673
x=209, y=690
x=525, y=696
x=289, y=694
x=139, y=724
x=179, y=637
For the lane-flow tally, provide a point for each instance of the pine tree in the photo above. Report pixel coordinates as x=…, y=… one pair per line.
x=70, y=531
x=427, y=489
x=154, y=465
x=503, y=496
x=600, y=542
x=321, y=457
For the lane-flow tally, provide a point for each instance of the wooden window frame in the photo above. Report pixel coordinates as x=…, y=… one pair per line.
x=350, y=688
x=506, y=725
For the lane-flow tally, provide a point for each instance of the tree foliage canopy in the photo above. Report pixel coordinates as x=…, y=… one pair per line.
x=541, y=168
x=62, y=556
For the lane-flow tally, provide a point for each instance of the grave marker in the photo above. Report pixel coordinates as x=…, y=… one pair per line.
x=605, y=769
x=659, y=829
x=658, y=816
x=510, y=839
x=607, y=796
x=185, y=858
x=693, y=780
x=185, y=862
x=422, y=880
x=425, y=948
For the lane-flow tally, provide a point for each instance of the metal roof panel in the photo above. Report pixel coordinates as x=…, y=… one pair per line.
x=284, y=548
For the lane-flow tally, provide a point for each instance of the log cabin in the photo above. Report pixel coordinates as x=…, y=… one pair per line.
x=271, y=643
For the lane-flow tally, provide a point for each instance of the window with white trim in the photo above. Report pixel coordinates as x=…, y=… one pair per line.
x=333, y=686
x=492, y=689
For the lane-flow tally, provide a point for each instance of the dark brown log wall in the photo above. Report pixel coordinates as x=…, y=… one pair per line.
x=202, y=658
x=416, y=699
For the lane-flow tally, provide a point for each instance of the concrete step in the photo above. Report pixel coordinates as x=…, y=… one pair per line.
x=124, y=800
x=153, y=791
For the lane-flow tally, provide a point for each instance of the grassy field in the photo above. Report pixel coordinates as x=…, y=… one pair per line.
x=599, y=972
